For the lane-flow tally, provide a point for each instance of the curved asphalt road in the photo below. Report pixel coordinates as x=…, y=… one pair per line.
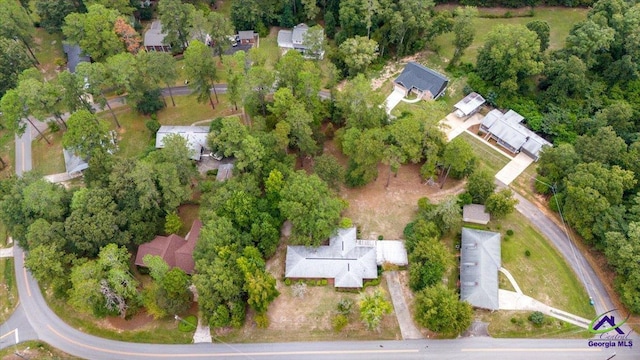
x=39, y=322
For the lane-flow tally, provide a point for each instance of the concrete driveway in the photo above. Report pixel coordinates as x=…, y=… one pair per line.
x=453, y=126
x=514, y=168
x=408, y=329
x=393, y=99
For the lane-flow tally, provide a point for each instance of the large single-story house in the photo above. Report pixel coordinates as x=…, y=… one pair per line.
x=418, y=79
x=508, y=132
x=294, y=39
x=346, y=261
x=154, y=37
x=75, y=56
x=175, y=250
x=469, y=105
x=475, y=213
x=479, y=264
x=196, y=137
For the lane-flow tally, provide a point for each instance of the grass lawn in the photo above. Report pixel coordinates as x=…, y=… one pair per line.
x=515, y=324
x=48, y=49
x=188, y=213
x=163, y=331
x=7, y=152
x=134, y=137
x=561, y=20
x=48, y=159
x=8, y=289
x=34, y=350
x=486, y=157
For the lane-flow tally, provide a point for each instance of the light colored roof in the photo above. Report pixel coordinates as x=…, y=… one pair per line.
x=479, y=263
x=73, y=163
x=508, y=128
x=297, y=35
x=391, y=251
x=475, y=213
x=154, y=36
x=196, y=137
x=224, y=172
x=246, y=35
x=284, y=39
x=343, y=260
x=417, y=76
x=470, y=103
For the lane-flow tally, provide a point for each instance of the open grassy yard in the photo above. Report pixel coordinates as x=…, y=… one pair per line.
x=8, y=289
x=48, y=51
x=561, y=20
x=515, y=324
x=48, y=159
x=164, y=331
x=486, y=157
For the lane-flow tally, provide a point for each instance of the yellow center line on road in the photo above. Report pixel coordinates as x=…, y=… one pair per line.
x=7, y=334
x=234, y=354
x=532, y=350
x=26, y=282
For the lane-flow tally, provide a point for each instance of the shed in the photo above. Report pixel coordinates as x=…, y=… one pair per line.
x=479, y=264
x=424, y=82
x=475, y=213
x=248, y=37
x=469, y=105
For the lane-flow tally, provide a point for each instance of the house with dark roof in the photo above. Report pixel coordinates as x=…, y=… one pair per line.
x=154, y=38
x=507, y=130
x=196, y=137
x=479, y=264
x=346, y=261
x=175, y=250
x=427, y=84
x=75, y=56
x=469, y=105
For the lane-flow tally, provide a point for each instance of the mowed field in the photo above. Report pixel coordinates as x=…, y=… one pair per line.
x=560, y=19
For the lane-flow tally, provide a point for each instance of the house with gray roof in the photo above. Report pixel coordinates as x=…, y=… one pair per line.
x=196, y=137
x=73, y=163
x=479, y=264
x=248, y=37
x=427, y=84
x=470, y=105
x=154, y=38
x=75, y=56
x=507, y=130
x=294, y=40
x=344, y=261
x=475, y=213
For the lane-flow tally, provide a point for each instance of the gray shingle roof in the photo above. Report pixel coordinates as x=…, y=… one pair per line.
x=475, y=213
x=246, y=35
x=284, y=39
x=196, y=137
x=417, y=76
x=74, y=56
x=154, y=36
x=479, y=263
x=73, y=163
x=343, y=260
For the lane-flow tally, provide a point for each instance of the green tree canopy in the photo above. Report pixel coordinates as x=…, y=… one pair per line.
x=94, y=32
x=437, y=308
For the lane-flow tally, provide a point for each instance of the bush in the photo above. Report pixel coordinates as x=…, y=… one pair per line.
x=339, y=322
x=188, y=324
x=212, y=172
x=324, y=282
x=380, y=237
x=153, y=125
x=527, y=253
x=345, y=223
x=287, y=282
x=262, y=321
x=151, y=102
x=509, y=232
x=345, y=305
x=537, y=318
x=53, y=126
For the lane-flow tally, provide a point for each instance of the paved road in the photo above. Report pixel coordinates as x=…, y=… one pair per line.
x=23, y=152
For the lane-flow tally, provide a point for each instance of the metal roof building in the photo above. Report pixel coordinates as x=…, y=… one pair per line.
x=73, y=163
x=475, y=213
x=479, y=264
x=508, y=131
x=469, y=105
x=154, y=38
x=196, y=137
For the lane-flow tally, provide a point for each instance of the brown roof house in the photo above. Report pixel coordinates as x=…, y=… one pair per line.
x=175, y=250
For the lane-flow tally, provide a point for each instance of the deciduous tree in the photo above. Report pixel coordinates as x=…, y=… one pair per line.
x=438, y=309
x=94, y=32
x=201, y=71
x=176, y=18
x=373, y=308
x=13, y=60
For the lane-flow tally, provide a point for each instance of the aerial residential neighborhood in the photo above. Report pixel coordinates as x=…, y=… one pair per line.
x=319, y=179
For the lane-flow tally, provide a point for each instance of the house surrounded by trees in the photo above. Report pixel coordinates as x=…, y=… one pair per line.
x=427, y=84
